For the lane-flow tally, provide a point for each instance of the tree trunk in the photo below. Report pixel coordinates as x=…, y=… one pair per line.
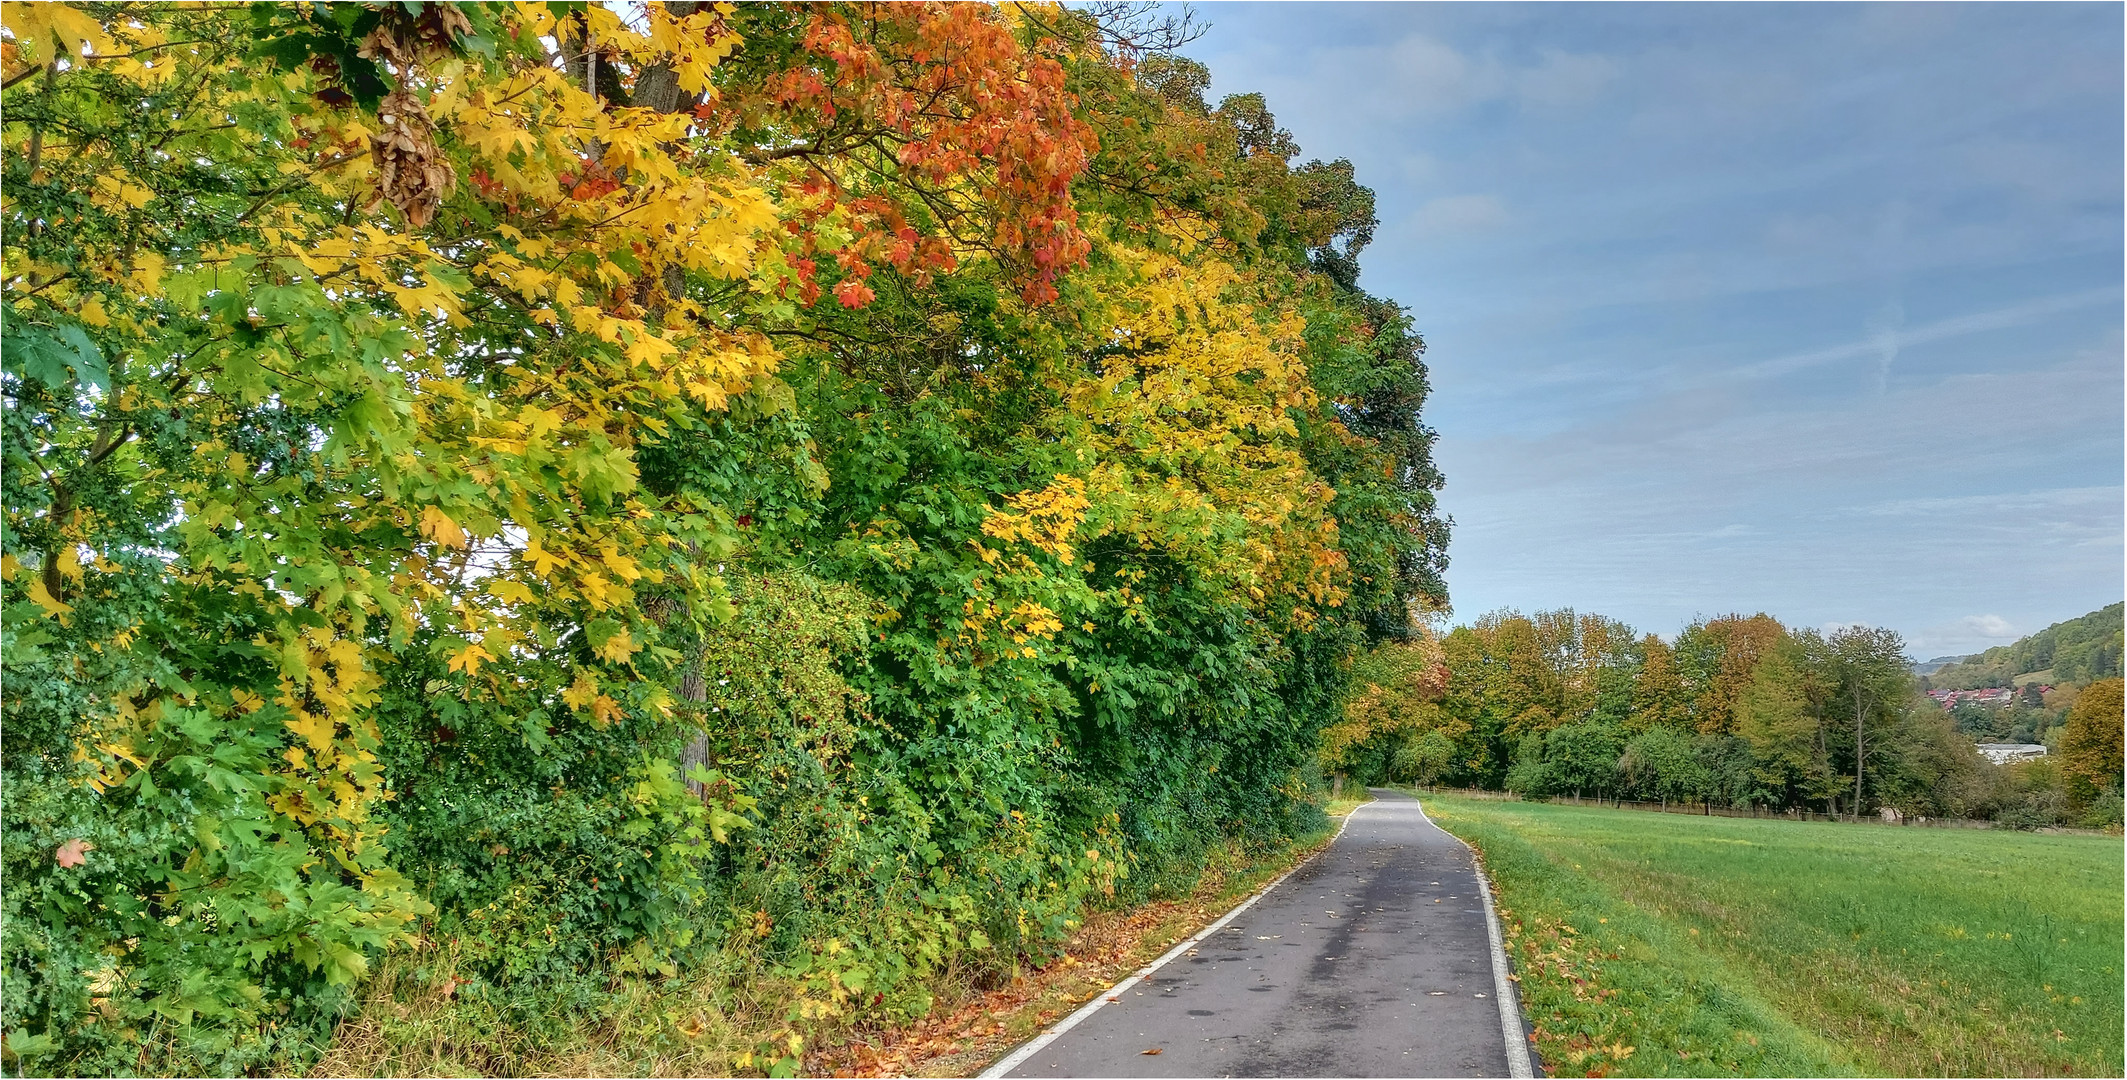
x=694, y=688
x=1860, y=750
x=658, y=86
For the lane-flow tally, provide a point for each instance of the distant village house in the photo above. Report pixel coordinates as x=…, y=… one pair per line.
x=1991, y=696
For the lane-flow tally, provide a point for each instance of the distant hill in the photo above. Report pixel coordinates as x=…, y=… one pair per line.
x=1930, y=667
x=2077, y=651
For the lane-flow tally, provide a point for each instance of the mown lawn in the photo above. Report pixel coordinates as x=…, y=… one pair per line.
x=1670, y=945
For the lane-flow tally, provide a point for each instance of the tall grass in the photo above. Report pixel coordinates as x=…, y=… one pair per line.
x=1819, y=948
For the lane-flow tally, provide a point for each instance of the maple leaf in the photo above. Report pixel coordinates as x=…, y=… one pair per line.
x=438, y=526
x=73, y=853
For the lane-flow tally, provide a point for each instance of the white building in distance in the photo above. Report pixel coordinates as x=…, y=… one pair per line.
x=2004, y=753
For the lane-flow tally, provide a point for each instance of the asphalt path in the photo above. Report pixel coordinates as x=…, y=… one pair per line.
x=1373, y=959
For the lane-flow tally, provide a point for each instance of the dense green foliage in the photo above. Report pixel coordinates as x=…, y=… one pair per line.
x=1738, y=712
x=848, y=486
x=2073, y=651
x=1679, y=945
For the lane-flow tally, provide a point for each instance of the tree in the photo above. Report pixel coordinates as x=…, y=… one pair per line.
x=1530, y=773
x=1730, y=769
x=1424, y=757
x=1715, y=659
x=1979, y=721
x=2091, y=746
x=1657, y=690
x=1392, y=704
x=1584, y=757
x=1662, y=762
x=432, y=426
x=1777, y=715
x=1873, y=677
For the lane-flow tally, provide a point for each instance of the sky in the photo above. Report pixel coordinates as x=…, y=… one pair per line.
x=1807, y=309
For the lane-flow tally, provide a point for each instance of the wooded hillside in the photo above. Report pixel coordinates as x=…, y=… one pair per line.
x=2073, y=650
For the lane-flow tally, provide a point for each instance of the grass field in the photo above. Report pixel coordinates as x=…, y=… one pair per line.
x=1669, y=945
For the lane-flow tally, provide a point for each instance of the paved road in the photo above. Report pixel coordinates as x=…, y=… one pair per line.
x=1372, y=960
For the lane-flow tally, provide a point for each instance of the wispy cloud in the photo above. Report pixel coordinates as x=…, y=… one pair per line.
x=1887, y=339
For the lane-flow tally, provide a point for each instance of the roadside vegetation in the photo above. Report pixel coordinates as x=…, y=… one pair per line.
x=705, y=1019
x=1665, y=945
x=624, y=537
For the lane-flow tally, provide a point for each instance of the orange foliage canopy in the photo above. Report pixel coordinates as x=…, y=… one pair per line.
x=925, y=130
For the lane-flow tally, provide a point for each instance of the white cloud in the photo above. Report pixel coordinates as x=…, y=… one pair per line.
x=1962, y=637
x=1361, y=87
x=1989, y=626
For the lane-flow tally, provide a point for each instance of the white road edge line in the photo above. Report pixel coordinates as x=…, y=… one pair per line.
x=1518, y=1064
x=1036, y=1044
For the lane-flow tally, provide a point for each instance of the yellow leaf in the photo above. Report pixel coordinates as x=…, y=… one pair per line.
x=147, y=274
x=111, y=192
x=51, y=605
x=74, y=30
x=582, y=692
x=541, y=560
x=469, y=660
x=315, y=730
x=617, y=648
x=438, y=526
x=514, y=591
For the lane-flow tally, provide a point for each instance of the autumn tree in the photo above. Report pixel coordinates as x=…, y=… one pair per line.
x=1392, y=720
x=1715, y=659
x=1657, y=689
x=2091, y=745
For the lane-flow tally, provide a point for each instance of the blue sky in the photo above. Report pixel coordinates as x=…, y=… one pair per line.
x=1811, y=309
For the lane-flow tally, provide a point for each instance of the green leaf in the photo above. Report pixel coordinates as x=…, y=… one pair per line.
x=54, y=356
x=21, y=1045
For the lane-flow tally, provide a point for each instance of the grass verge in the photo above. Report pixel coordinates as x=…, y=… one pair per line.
x=1668, y=945
x=726, y=1014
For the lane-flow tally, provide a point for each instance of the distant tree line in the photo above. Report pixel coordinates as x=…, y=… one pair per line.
x=1737, y=712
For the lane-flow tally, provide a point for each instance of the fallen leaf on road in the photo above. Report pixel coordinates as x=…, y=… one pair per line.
x=1143, y=1053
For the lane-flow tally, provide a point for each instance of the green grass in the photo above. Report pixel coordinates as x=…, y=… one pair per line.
x=1670, y=945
